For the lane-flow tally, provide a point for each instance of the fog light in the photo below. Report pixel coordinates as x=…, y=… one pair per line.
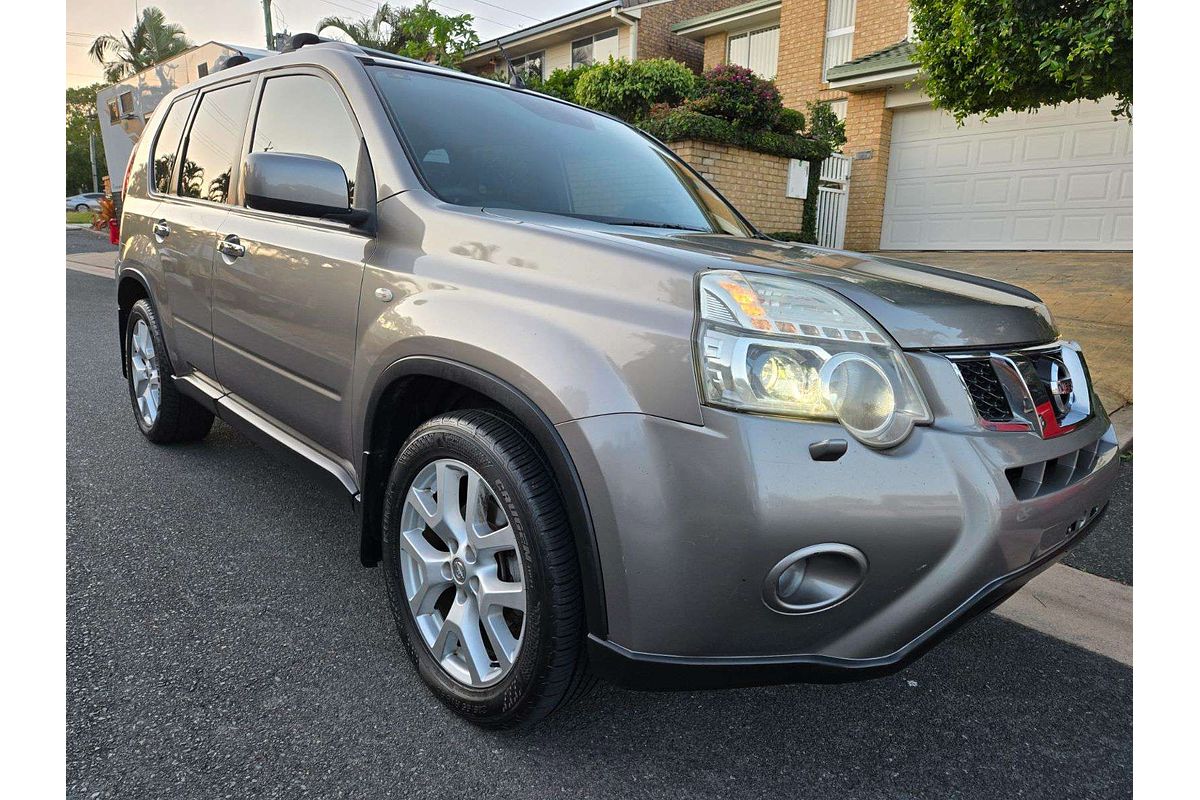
x=814, y=578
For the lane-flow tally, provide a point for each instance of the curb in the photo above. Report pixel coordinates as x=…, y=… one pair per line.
x=1122, y=420
x=1077, y=607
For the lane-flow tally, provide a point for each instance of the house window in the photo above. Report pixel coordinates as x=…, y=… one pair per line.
x=530, y=65
x=594, y=49
x=838, y=107
x=839, y=33
x=757, y=50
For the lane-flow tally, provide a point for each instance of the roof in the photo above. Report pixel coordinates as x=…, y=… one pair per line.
x=890, y=59
x=701, y=26
x=550, y=24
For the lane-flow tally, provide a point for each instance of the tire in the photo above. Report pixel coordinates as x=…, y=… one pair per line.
x=549, y=668
x=82, y=207
x=176, y=417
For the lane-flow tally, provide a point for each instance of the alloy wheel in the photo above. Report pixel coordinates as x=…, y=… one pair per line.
x=462, y=573
x=143, y=364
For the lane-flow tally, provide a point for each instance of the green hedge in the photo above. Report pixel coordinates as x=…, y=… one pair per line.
x=679, y=124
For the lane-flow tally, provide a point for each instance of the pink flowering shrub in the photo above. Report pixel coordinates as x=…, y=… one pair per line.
x=738, y=95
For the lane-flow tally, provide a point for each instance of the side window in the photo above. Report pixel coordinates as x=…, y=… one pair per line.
x=166, y=146
x=326, y=129
x=214, y=143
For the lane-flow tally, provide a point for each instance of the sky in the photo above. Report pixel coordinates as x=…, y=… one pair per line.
x=241, y=21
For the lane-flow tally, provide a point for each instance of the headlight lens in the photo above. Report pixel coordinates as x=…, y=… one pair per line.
x=784, y=346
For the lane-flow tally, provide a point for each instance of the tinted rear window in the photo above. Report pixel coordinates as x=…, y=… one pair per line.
x=214, y=143
x=166, y=146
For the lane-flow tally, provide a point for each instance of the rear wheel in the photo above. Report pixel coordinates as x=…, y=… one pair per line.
x=481, y=571
x=163, y=414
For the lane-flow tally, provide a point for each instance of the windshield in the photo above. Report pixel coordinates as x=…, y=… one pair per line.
x=489, y=147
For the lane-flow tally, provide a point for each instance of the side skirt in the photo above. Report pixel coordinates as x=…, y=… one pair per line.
x=265, y=432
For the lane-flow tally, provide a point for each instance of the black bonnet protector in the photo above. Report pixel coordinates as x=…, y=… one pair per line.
x=921, y=306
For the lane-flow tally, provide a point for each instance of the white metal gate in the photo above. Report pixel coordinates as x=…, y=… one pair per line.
x=831, y=201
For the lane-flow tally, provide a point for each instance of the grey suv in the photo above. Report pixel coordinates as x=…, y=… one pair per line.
x=592, y=422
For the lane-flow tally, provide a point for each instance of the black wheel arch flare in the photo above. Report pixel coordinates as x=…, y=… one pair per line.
x=533, y=419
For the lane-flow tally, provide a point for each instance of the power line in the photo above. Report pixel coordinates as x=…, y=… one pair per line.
x=476, y=16
x=509, y=10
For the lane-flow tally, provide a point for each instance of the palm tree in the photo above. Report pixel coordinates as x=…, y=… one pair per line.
x=152, y=40
x=418, y=32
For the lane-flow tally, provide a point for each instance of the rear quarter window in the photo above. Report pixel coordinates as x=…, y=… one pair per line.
x=166, y=145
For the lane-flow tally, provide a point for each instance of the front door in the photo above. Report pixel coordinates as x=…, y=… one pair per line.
x=286, y=288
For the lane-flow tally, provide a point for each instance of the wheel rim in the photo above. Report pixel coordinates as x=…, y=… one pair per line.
x=462, y=574
x=143, y=373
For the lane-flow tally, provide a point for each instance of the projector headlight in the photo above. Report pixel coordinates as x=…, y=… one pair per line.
x=784, y=346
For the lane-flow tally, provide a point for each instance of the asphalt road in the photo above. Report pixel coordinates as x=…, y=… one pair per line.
x=222, y=641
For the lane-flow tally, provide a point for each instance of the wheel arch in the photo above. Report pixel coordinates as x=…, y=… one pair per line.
x=131, y=287
x=394, y=389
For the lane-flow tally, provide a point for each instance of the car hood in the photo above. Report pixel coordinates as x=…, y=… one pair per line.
x=921, y=306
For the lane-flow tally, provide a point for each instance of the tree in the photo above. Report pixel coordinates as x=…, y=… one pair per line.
x=419, y=32
x=82, y=121
x=152, y=40
x=991, y=56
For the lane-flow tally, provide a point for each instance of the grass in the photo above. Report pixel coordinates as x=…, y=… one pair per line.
x=79, y=216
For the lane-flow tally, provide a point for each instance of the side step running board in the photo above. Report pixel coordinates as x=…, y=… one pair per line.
x=260, y=429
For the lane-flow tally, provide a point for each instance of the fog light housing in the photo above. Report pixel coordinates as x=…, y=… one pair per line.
x=814, y=578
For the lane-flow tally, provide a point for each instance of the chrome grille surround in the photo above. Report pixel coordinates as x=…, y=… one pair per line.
x=1044, y=389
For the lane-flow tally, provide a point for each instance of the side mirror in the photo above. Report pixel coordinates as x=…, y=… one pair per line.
x=308, y=186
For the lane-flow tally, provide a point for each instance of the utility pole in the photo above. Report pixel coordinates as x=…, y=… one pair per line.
x=92, y=152
x=270, y=27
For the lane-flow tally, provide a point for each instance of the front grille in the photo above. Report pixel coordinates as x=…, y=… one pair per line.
x=984, y=387
x=1043, y=477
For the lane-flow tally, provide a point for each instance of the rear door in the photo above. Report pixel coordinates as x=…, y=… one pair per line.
x=285, y=307
x=190, y=214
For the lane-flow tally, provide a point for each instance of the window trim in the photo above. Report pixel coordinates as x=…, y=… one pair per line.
x=234, y=178
x=835, y=32
x=541, y=54
x=151, y=186
x=749, y=32
x=591, y=39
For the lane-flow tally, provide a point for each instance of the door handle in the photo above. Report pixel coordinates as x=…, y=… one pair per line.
x=161, y=230
x=231, y=246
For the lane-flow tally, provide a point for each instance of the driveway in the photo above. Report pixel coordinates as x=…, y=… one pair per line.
x=1090, y=295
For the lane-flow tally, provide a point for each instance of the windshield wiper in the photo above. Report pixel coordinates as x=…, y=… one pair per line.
x=633, y=223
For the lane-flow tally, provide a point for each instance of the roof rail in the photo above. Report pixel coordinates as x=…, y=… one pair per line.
x=305, y=39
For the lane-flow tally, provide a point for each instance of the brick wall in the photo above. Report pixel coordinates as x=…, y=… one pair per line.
x=716, y=48
x=654, y=37
x=877, y=24
x=754, y=182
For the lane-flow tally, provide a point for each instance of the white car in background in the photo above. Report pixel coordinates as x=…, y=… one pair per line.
x=90, y=201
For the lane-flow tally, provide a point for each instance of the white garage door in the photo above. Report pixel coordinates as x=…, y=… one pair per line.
x=1057, y=179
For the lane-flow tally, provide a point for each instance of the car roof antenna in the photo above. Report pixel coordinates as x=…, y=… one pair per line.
x=514, y=78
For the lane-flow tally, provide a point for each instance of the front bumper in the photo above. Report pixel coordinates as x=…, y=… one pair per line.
x=689, y=520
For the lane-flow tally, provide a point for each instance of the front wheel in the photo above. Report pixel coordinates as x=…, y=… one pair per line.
x=481, y=571
x=163, y=414
x=82, y=207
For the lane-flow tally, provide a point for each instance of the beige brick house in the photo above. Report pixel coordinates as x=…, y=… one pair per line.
x=629, y=29
x=1058, y=179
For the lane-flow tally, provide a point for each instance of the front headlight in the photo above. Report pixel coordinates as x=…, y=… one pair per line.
x=785, y=346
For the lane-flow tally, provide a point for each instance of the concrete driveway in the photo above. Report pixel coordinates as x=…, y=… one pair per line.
x=1090, y=294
